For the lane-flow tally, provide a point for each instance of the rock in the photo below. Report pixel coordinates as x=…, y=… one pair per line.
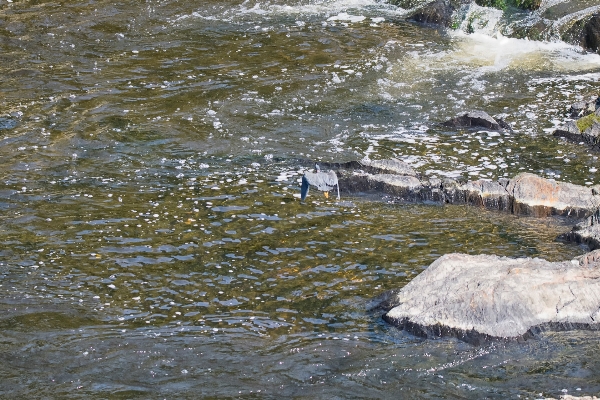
x=569, y=131
x=489, y=194
x=438, y=12
x=473, y=119
x=588, y=259
x=525, y=194
x=586, y=232
x=477, y=298
x=592, y=134
x=591, y=34
x=578, y=109
x=537, y=196
x=585, y=32
x=393, y=165
x=387, y=166
x=585, y=129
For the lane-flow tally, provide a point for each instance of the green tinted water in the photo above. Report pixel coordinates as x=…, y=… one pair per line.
x=153, y=243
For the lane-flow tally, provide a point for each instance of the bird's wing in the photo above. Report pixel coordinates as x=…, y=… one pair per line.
x=304, y=188
x=324, y=181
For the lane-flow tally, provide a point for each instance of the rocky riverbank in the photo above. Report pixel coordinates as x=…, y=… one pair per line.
x=524, y=194
x=479, y=298
x=574, y=22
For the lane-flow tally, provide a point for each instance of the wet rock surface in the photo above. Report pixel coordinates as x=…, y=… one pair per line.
x=585, y=32
x=474, y=119
x=483, y=297
x=525, y=194
x=585, y=128
x=438, y=12
x=586, y=232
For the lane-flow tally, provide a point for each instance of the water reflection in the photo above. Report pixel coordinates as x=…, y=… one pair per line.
x=152, y=237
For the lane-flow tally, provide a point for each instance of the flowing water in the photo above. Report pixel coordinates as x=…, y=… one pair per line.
x=153, y=242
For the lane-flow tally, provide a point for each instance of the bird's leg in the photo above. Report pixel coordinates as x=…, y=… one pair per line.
x=326, y=195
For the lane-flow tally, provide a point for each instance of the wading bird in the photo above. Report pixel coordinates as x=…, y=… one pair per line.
x=324, y=181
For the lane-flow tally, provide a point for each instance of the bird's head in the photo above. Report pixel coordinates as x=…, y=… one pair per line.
x=317, y=168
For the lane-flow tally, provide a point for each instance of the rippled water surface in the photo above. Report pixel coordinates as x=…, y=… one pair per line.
x=153, y=241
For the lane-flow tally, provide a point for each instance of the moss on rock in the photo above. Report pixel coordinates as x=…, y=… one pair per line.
x=586, y=122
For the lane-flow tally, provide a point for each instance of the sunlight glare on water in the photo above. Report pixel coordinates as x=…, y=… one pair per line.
x=153, y=239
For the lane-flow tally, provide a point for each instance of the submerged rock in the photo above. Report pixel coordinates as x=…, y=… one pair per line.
x=477, y=298
x=473, y=119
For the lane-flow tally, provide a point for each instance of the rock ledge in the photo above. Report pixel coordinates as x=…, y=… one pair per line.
x=478, y=298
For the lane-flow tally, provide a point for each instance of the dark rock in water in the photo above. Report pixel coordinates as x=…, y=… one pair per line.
x=592, y=134
x=585, y=129
x=473, y=119
x=591, y=34
x=477, y=298
x=586, y=232
x=438, y=12
x=569, y=131
x=585, y=32
x=580, y=109
x=525, y=194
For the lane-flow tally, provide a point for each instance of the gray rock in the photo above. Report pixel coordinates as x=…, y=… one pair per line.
x=578, y=109
x=7, y=123
x=586, y=232
x=569, y=131
x=592, y=134
x=489, y=194
x=393, y=166
x=476, y=298
x=473, y=119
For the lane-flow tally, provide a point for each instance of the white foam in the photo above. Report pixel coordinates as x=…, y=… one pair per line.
x=340, y=10
x=343, y=16
x=498, y=52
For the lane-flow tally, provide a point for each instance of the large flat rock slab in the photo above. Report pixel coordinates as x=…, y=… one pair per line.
x=476, y=298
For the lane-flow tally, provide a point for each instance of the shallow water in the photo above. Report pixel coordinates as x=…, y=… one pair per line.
x=153, y=239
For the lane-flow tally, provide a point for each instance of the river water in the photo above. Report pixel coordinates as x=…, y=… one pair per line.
x=153, y=242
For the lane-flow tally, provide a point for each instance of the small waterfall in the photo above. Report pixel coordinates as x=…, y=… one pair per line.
x=471, y=18
x=573, y=21
x=556, y=20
